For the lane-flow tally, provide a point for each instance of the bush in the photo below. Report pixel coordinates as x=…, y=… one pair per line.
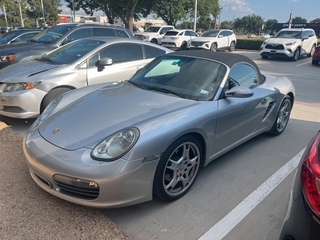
x=249, y=43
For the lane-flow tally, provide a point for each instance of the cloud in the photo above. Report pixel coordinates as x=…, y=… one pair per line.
x=236, y=6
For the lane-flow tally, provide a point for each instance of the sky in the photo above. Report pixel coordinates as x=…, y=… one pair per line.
x=267, y=9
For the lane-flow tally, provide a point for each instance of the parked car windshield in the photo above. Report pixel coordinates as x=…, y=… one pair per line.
x=187, y=77
x=288, y=34
x=210, y=33
x=71, y=52
x=51, y=35
x=152, y=29
x=5, y=38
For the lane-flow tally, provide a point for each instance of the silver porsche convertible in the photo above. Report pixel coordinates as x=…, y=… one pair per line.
x=118, y=144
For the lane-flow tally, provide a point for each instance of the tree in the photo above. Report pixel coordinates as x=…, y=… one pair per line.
x=317, y=20
x=249, y=24
x=299, y=20
x=227, y=25
x=50, y=9
x=268, y=25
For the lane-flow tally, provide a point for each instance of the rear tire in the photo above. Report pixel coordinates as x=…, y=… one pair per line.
x=155, y=41
x=232, y=47
x=264, y=57
x=51, y=96
x=312, y=51
x=315, y=62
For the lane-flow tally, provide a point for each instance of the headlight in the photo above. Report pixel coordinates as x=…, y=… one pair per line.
x=116, y=145
x=265, y=42
x=289, y=44
x=8, y=57
x=11, y=87
x=47, y=111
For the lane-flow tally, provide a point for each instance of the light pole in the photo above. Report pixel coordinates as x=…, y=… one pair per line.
x=22, y=24
x=195, y=16
x=44, y=19
x=5, y=15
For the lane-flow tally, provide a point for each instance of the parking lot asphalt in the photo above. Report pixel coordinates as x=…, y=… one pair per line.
x=28, y=212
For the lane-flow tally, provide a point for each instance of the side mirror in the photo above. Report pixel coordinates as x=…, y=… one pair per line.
x=239, y=92
x=103, y=62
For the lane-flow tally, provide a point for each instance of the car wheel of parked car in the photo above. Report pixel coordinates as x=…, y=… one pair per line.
x=51, y=96
x=155, y=41
x=232, y=47
x=184, y=46
x=296, y=54
x=312, y=51
x=213, y=47
x=264, y=57
x=283, y=116
x=315, y=62
x=177, y=169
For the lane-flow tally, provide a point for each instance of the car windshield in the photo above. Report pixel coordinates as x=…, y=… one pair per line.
x=51, y=35
x=288, y=34
x=71, y=52
x=152, y=29
x=5, y=38
x=187, y=77
x=210, y=33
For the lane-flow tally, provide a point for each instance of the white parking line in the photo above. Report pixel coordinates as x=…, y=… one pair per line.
x=225, y=225
x=303, y=64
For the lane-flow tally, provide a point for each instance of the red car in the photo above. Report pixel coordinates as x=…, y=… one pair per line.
x=316, y=56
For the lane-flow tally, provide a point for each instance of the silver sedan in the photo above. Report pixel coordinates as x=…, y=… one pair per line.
x=27, y=87
x=121, y=143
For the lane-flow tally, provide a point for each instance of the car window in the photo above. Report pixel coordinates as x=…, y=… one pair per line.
x=122, y=33
x=72, y=52
x=152, y=52
x=171, y=33
x=166, y=29
x=25, y=37
x=181, y=34
x=243, y=75
x=79, y=33
x=51, y=35
x=104, y=32
x=122, y=52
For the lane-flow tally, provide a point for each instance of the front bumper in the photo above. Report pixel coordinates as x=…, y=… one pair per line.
x=282, y=53
x=204, y=46
x=21, y=104
x=70, y=175
x=171, y=45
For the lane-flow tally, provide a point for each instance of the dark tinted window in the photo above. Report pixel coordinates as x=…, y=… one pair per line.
x=53, y=34
x=78, y=34
x=243, y=75
x=123, y=52
x=171, y=33
x=25, y=37
x=104, y=32
x=122, y=33
x=152, y=52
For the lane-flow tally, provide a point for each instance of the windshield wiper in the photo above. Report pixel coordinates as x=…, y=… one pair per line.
x=166, y=90
x=136, y=84
x=44, y=59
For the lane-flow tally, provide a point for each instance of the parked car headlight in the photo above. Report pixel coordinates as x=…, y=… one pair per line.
x=11, y=87
x=116, y=145
x=8, y=57
x=290, y=44
x=265, y=42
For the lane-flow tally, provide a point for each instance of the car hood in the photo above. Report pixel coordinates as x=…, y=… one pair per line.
x=100, y=113
x=22, y=71
x=18, y=47
x=281, y=40
x=203, y=39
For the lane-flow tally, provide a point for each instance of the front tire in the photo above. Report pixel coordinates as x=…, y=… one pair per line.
x=315, y=62
x=283, y=116
x=184, y=46
x=51, y=96
x=296, y=54
x=264, y=57
x=155, y=41
x=177, y=169
x=213, y=47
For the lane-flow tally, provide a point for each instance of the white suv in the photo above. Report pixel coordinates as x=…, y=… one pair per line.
x=154, y=33
x=215, y=39
x=290, y=43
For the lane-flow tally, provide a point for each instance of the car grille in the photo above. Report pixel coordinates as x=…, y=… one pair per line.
x=197, y=44
x=139, y=37
x=169, y=43
x=78, y=188
x=275, y=46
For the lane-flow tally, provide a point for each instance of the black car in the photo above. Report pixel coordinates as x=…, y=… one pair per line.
x=302, y=221
x=54, y=37
x=18, y=36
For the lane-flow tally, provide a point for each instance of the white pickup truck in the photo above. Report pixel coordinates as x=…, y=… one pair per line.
x=154, y=33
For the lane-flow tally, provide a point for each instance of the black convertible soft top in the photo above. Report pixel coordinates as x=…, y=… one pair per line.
x=227, y=58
